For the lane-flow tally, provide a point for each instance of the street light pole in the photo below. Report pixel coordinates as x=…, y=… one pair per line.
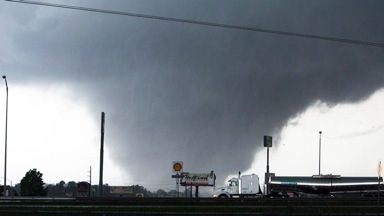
x=6, y=134
x=319, y=152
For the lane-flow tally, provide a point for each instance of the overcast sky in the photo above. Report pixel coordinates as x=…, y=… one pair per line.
x=204, y=95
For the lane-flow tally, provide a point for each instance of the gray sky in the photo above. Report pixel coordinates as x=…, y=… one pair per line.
x=198, y=94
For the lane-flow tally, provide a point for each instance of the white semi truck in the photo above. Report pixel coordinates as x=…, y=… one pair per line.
x=292, y=186
x=243, y=186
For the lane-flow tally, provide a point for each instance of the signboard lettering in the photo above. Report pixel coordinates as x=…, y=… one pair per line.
x=198, y=179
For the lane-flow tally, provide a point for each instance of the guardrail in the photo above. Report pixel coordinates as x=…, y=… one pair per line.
x=190, y=206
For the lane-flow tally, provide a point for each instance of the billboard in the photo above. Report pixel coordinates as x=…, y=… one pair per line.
x=198, y=179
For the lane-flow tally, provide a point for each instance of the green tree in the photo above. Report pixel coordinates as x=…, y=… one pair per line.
x=71, y=189
x=161, y=193
x=60, y=189
x=32, y=184
x=56, y=190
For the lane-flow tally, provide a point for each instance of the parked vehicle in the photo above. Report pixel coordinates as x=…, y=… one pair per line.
x=302, y=186
x=243, y=186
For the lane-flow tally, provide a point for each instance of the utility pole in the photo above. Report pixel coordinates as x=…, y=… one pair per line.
x=101, y=154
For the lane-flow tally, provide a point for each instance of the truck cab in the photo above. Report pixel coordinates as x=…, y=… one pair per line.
x=245, y=186
x=229, y=190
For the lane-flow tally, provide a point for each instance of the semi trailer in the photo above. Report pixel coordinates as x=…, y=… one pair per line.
x=294, y=186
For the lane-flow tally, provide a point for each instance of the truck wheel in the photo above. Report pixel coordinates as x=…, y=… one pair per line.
x=223, y=196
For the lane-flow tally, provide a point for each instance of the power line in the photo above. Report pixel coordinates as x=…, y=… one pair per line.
x=220, y=25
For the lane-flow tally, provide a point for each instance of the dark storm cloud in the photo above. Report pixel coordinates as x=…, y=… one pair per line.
x=203, y=95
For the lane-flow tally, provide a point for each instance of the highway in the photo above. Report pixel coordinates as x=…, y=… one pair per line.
x=191, y=206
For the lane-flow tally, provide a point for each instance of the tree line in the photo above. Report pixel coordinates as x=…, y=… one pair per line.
x=32, y=184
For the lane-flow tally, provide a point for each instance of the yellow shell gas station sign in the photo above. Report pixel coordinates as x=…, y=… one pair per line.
x=177, y=167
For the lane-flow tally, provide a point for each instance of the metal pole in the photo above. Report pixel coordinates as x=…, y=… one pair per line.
x=177, y=185
x=378, y=181
x=267, y=160
x=101, y=154
x=319, y=152
x=378, y=192
x=90, y=181
x=267, y=187
x=238, y=184
x=267, y=143
x=6, y=136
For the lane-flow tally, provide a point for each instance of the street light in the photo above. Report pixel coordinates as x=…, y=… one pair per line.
x=6, y=133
